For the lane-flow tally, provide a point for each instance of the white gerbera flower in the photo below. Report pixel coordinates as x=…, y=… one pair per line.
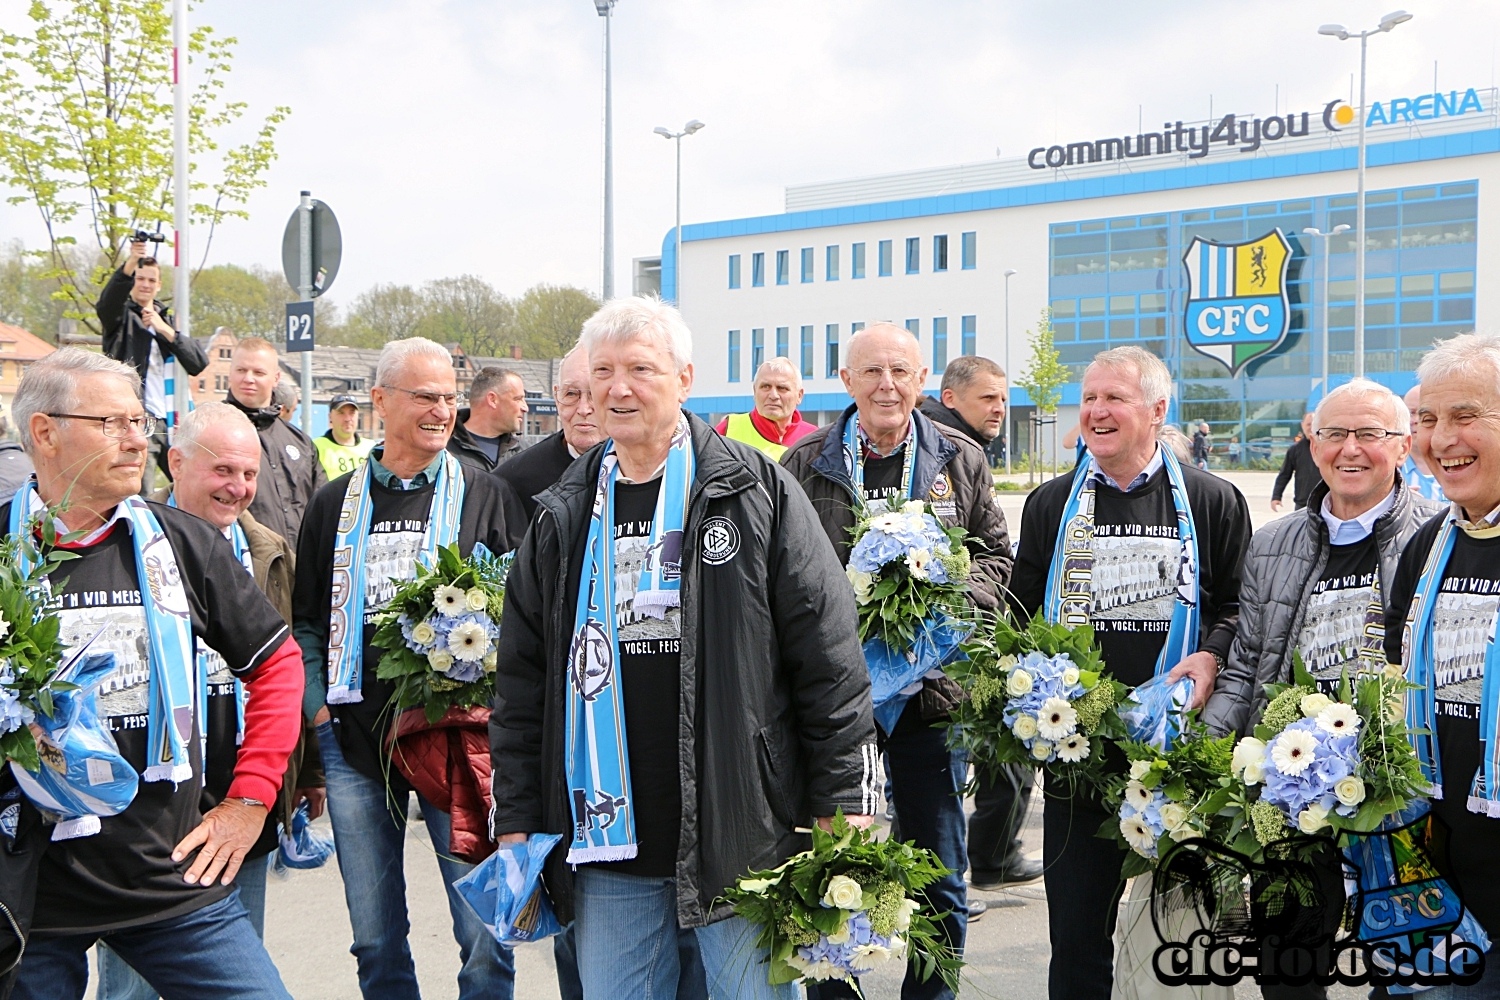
x=1339, y=719
x=469, y=642
x=450, y=601
x=1350, y=790
x=1293, y=751
x=1056, y=719
x=1138, y=795
x=1024, y=728
x=888, y=523
x=917, y=561
x=1139, y=769
x=1312, y=819
x=423, y=634
x=1019, y=684
x=867, y=956
x=440, y=660
x=1314, y=703
x=1041, y=749
x=1246, y=752
x=1073, y=748
x=1138, y=835
x=476, y=599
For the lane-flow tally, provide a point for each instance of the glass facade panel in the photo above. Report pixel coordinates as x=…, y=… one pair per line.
x=915, y=326
x=831, y=350
x=831, y=263
x=939, y=344
x=940, y=253
x=734, y=355
x=857, y=261
x=807, y=264
x=783, y=341
x=807, y=352
x=783, y=266
x=885, y=258
x=757, y=270
x=913, y=255
x=970, y=251
x=969, y=327
x=734, y=270
x=757, y=350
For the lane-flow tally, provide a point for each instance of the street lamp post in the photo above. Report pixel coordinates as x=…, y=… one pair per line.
x=1341, y=33
x=667, y=133
x=1009, y=376
x=608, y=283
x=1323, y=307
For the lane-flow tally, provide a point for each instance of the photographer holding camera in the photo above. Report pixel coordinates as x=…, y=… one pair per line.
x=138, y=330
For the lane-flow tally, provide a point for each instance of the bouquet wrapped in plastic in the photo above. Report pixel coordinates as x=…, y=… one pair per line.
x=1037, y=695
x=908, y=573
x=846, y=907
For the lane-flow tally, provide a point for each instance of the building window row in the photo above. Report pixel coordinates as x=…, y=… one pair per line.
x=884, y=260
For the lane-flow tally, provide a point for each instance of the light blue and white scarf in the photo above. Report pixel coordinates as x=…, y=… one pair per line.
x=854, y=458
x=1421, y=705
x=1069, y=598
x=169, y=718
x=598, y=763
x=346, y=617
x=241, y=547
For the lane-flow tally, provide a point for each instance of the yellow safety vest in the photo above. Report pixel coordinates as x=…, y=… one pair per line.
x=742, y=428
x=339, y=459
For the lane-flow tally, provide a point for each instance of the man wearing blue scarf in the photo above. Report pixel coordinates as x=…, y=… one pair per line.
x=680, y=685
x=364, y=532
x=1153, y=551
x=1442, y=621
x=147, y=583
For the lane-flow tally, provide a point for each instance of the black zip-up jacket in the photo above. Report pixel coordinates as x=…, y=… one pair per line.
x=290, y=472
x=126, y=338
x=775, y=723
x=1285, y=560
x=461, y=443
x=1298, y=461
x=937, y=411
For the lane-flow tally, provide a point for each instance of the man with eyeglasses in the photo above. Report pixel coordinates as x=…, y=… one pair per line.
x=489, y=429
x=366, y=533
x=149, y=581
x=290, y=472
x=1311, y=580
x=882, y=446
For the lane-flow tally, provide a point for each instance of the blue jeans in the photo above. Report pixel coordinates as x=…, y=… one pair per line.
x=626, y=931
x=370, y=832
x=118, y=981
x=211, y=952
x=690, y=982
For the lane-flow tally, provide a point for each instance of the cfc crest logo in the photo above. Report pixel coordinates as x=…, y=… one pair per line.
x=1237, y=307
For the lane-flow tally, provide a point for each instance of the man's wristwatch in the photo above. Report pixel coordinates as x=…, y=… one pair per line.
x=1219, y=662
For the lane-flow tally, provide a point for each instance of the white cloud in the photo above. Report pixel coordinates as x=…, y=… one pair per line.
x=465, y=136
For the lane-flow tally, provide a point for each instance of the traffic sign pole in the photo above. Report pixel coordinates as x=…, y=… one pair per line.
x=305, y=290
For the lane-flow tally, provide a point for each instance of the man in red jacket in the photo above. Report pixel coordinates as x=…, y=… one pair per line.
x=149, y=581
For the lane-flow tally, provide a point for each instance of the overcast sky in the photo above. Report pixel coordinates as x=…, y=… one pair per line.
x=455, y=136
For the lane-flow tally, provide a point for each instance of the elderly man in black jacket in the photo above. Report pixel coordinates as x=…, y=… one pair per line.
x=673, y=599
x=902, y=453
x=138, y=330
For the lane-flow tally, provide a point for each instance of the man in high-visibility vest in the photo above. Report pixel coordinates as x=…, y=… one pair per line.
x=341, y=449
x=774, y=425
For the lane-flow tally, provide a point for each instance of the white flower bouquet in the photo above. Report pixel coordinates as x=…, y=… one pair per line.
x=1171, y=795
x=846, y=907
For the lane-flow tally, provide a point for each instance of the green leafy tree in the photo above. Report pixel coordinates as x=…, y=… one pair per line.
x=1045, y=374
x=379, y=314
x=86, y=133
x=250, y=301
x=468, y=311
x=550, y=317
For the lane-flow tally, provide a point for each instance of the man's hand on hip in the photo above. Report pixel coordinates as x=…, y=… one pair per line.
x=1203, y=669
x=226, y=835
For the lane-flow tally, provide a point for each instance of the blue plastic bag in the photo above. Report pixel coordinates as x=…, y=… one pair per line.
x=891, y=671
x=1157, y=711
x=301, y=847
x=82, y=774
x=505, y=891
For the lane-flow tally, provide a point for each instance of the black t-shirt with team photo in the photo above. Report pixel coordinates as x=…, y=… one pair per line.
x=1467, y=603
x=125, y=875
x=1334, y=622
x=883, y=475
x=650, y=656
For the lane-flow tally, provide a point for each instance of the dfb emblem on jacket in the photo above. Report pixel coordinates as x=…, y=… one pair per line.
x=591, y=661
x=721, y=541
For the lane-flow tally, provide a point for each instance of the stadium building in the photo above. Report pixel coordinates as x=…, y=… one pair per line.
x=1187, y=241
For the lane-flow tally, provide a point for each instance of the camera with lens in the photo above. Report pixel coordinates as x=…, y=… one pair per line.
x=141, y=236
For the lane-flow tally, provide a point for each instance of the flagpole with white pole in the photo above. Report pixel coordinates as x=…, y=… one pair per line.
x=181, y=196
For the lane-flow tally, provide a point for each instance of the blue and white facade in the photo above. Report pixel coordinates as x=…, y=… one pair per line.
x=1100, y=244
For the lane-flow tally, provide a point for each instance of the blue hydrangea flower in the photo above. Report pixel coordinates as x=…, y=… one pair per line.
x=13, y=713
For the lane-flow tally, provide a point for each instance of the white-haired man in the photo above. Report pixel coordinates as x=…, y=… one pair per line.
x=215, y=462
x=150, y=580
x=541, y=465
x=290, y=472
x=1441, y=624
x=366, y=533
x=674, y=598
x=1129, y=500
x=775, y=423
x=882, y=446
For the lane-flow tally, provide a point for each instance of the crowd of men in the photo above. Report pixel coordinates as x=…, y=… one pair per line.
x=679, y=685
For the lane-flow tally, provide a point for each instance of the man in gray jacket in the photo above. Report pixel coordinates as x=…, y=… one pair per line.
x=674, y=599
x=1311, y=580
